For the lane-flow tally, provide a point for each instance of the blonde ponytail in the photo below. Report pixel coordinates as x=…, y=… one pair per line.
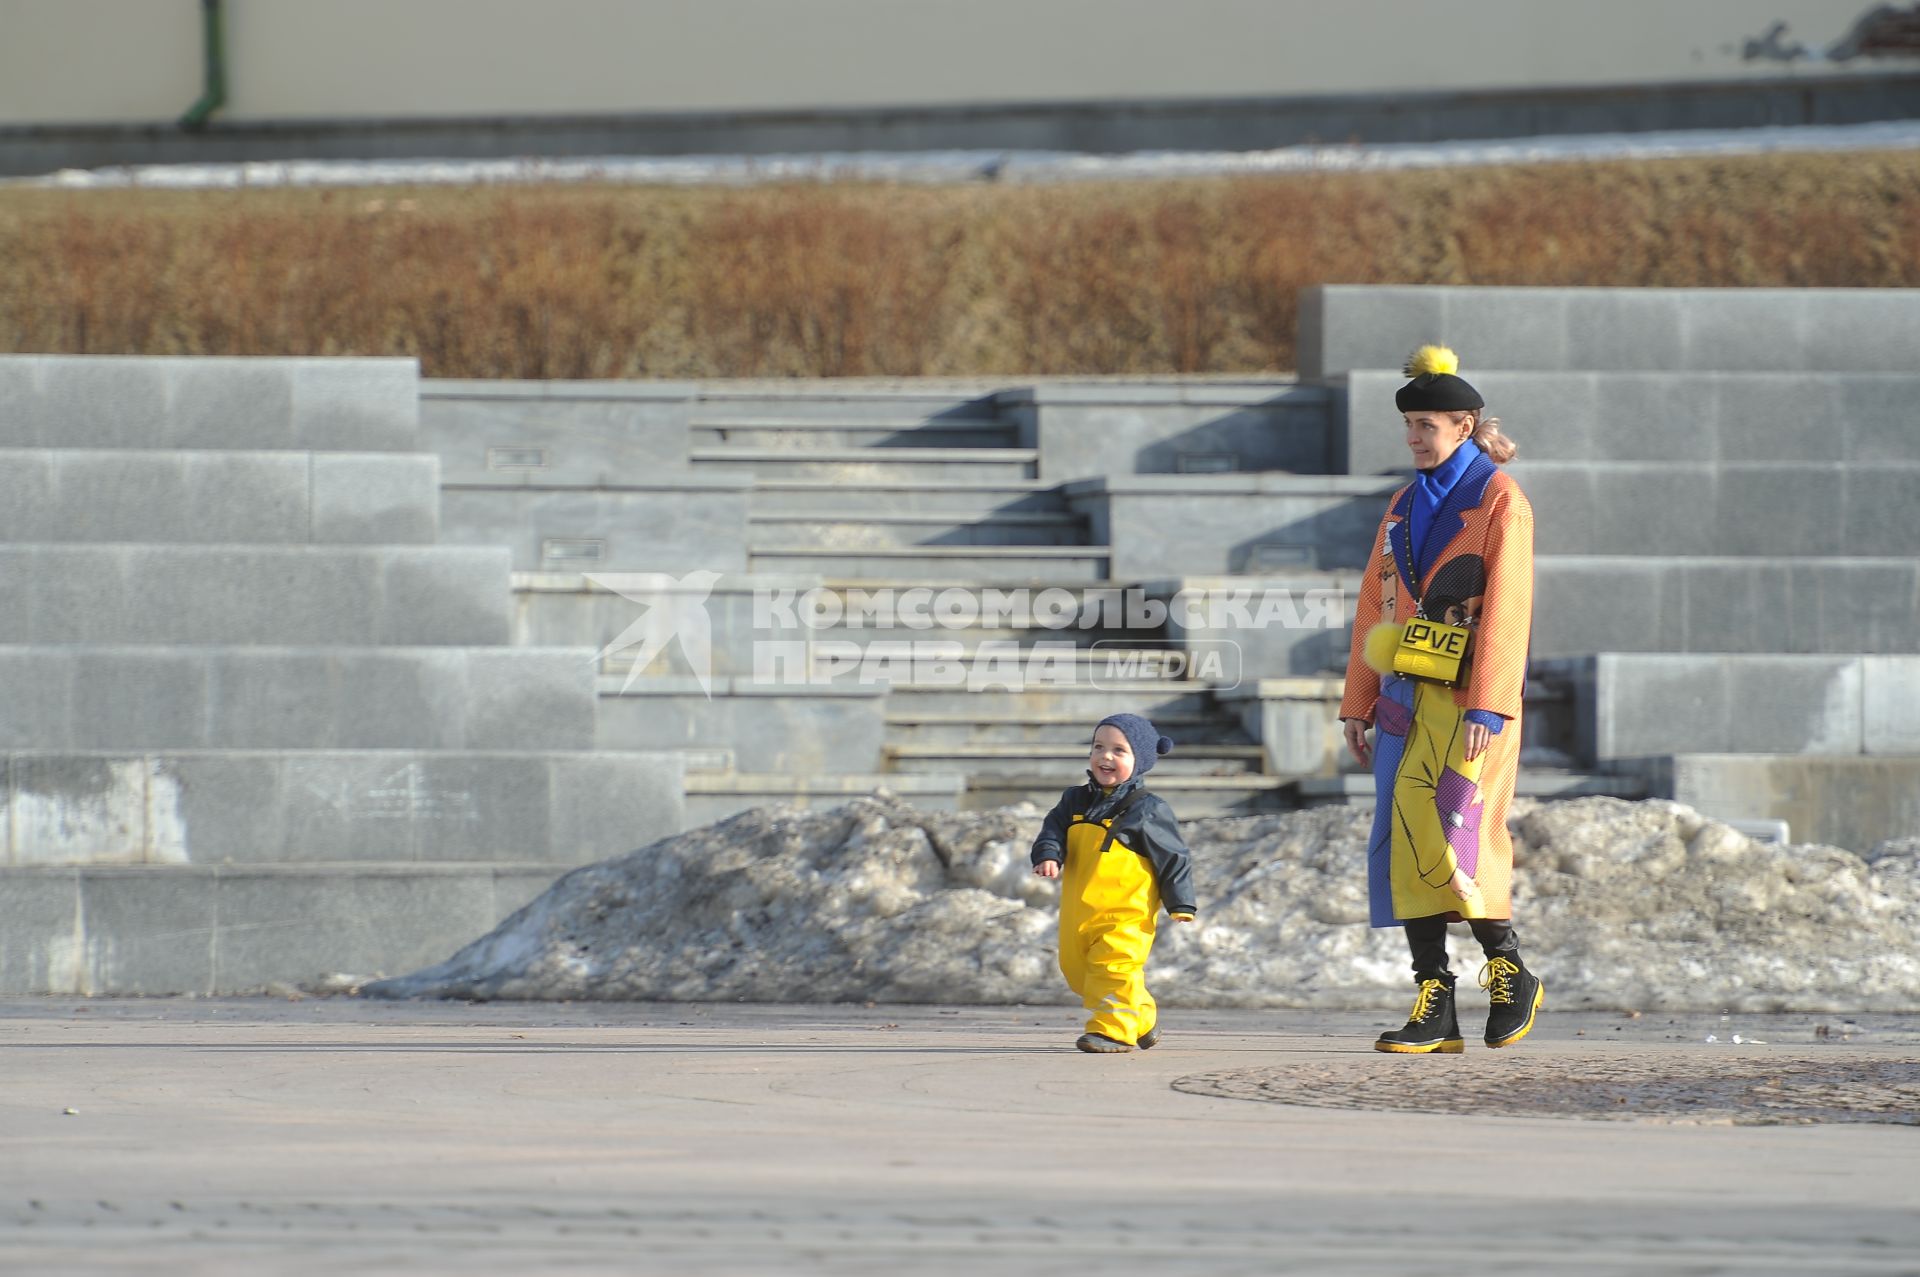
x=1499, y=448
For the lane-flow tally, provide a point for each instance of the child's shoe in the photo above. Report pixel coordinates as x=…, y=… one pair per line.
x=1096, y=1044
x=1149, y=1039
x=1432, y=1028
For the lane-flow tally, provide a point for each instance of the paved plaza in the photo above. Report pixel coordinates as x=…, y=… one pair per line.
x=335, y=1135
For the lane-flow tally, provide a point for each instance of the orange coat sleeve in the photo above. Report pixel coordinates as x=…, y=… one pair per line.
x=1498, y=678
x=1363, y=681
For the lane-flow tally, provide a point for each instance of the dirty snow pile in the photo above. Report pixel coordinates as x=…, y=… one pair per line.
x=1636, y=906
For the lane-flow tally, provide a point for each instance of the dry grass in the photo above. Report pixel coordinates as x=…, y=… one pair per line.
x=1177, y=276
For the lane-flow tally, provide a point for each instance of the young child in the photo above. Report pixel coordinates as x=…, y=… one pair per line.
x=1124, y=857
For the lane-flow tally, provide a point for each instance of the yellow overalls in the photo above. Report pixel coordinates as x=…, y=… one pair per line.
x=1109, y=912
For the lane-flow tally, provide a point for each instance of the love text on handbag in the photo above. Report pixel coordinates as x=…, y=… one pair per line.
x=1429, y=649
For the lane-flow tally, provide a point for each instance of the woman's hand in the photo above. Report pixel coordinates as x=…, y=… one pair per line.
x=1048, y=869
x=1356, y=733
x=1478, y=737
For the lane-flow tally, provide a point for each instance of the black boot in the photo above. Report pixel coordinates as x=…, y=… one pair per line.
x=1433, y=1027
x=1514, y=994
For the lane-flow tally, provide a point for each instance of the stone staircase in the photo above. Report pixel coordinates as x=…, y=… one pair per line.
x=905, y=490
x=261, y=726
x=889, y=487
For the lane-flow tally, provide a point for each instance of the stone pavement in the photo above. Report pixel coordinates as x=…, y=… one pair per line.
x=250, y=1136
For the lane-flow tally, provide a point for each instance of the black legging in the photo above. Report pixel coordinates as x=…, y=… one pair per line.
x=1427, y=938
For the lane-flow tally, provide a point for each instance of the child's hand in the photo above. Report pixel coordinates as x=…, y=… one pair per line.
x=1048, y=869
x=1183, y=917
x=1463, y=886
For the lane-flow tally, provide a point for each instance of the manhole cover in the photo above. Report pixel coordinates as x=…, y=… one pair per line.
x=1754, y=1090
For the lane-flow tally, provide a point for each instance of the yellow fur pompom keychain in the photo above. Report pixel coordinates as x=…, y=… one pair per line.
x=1432, y=359
x=1383, y=640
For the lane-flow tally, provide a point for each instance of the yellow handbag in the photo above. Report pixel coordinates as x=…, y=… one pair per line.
x=1432, y=650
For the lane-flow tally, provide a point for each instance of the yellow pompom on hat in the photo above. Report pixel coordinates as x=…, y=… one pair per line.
x=1436, y=385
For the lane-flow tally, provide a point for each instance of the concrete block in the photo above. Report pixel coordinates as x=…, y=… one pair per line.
x=796, y=729
x=1731, y=606
x=278, y=697
x=211, y=497
x=443, y=594
x=1799, y=510
x=779, y=529
x=1730, y=329
x=1858, y=605
x=95, y=401
x=603, y=804
x=996, y=467
x=236, y=807
x=1636, y=417
x=223, y=398
x=1647, y=704
x=594, y=434
x=1659, y=510
x=291, y=926
x=1604, y=604
x=1857, y=328
x=1876, y=419
x=138, y=697
x=1274, y=626
x=1873, y=521
x=1804, y=606
x=69, y=809
x=1209, y=524
x=1626, y=328
x=1344, y=327
x=38, y=695
x=1731, y=509
x=711, y=799
x=1088, y=431
x=992, y=564
x=1853, y=803
x=594, y=610
x=1890, y=705
x=42, y=944
x=1528, y=327
x=215, y=594
x=692, y=522
x=1723, y=329
x=356, y=405
x=375, y=500
x=556, y=807
x=517, y=699
x=1778, y=417
x=928, y=499
x=149, y=931
x=1295, y=720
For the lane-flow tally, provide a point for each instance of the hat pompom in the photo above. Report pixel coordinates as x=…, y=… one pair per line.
x=1432, y=359
x=1164, y=745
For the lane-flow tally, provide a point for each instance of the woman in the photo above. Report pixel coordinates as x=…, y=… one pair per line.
x=1456, y=548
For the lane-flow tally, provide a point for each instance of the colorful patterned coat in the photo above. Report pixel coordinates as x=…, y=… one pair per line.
x=1435, y=810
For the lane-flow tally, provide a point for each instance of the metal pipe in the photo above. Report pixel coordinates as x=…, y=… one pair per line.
x=214, y=95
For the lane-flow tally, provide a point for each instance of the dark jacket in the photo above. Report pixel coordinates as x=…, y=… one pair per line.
x=1145, y=826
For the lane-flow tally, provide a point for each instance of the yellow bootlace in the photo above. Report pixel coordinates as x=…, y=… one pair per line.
x=1497, y=979
x=1423, y=1001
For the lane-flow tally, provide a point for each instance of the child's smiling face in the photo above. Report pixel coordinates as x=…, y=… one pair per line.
x=1111, y=759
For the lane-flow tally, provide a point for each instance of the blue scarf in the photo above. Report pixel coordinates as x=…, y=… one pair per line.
x=1430, y=488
